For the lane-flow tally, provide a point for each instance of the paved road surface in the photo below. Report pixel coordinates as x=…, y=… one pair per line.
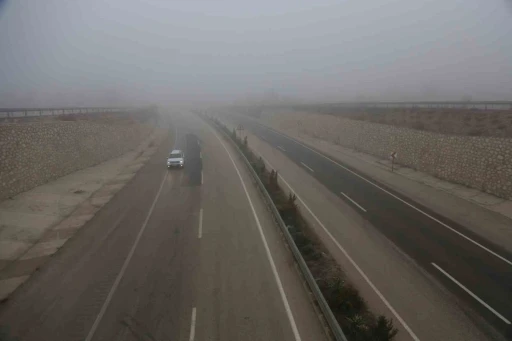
x=175, y=255
x=480, y=275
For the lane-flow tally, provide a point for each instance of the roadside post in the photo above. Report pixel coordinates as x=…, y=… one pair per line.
x=240, y=129
x=393, y=156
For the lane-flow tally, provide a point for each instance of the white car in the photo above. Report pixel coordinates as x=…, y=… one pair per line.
x=176, y=159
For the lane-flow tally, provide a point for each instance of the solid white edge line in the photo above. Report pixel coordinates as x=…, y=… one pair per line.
x=470, y=293
x=281, y=148
x=394, y=196
x=265, y=244
x=200, y=232
x=355, y=203
x=193, y=325
x=302, y=163
x=125, y=265
x=354, y=264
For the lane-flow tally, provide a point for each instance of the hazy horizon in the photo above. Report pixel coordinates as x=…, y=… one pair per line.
x=58, y=52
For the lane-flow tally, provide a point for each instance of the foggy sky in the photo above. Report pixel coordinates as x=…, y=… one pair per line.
x=100, y=52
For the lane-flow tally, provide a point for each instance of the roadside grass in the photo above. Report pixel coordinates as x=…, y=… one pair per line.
x=349, y=308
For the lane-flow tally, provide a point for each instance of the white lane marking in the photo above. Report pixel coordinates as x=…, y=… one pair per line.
x=200, y=233
x=200, y=155
x=281, y=148
x=175, y=136
x=354, y=264
x=311, y=170
x=470, y=293
x=394, y=196
x=201, y=177
x=193, y=325
x=355, y=203
x=265, y=244
x=125, y=265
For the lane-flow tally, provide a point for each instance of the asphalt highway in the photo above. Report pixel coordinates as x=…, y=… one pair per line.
x=180, y=254
x=476, y=271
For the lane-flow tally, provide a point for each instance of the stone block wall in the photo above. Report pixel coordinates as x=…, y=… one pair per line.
x=484, y=163
x=34, y=153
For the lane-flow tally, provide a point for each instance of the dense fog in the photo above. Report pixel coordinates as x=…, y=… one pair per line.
x=123, y=52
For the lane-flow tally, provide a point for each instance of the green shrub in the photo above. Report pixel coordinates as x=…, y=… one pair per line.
x=382, y=330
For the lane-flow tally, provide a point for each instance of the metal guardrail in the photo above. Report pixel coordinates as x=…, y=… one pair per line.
x=33, y=112
x=319, y=297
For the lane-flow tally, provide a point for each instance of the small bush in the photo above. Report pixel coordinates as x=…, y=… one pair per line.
x=383, y=330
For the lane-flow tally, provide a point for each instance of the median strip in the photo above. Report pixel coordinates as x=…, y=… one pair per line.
x=344, y=310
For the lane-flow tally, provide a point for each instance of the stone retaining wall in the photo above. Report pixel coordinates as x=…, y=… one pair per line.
x=34, y=153
x=484, y=163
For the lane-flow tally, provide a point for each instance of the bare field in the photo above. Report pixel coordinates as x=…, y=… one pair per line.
x=467, y=122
